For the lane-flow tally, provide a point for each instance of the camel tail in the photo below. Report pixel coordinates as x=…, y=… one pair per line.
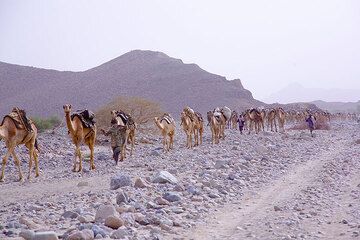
x=37, y=145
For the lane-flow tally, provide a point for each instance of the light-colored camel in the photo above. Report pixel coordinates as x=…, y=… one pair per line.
x=166, y=124
x=234, y=119
x=255, y=120
x=215, y=127
x=80, y=135
x=13, y=137
x=280, y=115
x=188, y=127
x=271, y=116
x=222, y=121
x=131, y=128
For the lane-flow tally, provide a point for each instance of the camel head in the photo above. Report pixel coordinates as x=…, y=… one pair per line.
x=67, y=108
x=113, y=113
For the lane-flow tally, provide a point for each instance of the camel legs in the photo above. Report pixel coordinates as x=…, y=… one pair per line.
x=77, y=155
x=18, y=164
x=6, y=157
x=200, y=133
x=31, y=156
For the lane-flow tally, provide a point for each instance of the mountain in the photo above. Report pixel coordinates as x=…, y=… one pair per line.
x=148, y=74
x=297, y=93
x=335, y=107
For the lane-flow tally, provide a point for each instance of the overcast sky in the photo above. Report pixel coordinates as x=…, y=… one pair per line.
x=267, y=44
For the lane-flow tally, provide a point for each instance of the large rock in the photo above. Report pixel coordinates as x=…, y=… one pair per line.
x=85, y=234
x=113, y=222
x=70, y=214
x=120, y=180
x=140, y=183
x=105, y=211
x=164, y=177
x=45, y=236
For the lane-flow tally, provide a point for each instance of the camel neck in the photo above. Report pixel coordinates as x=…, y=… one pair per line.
x=69, y=122
x=157, y=122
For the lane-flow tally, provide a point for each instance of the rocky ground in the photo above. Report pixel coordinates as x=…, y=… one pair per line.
x=265, y=186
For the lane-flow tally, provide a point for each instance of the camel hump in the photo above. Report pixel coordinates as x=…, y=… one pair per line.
x=87, y=117
x=20, y=119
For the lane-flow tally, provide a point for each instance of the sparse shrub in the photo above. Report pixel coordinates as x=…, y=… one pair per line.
x=43, y=124
x=142, y=110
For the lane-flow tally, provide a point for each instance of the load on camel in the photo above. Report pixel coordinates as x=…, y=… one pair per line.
x=192, y=123
x=17, y=129
x=166, y=125
x=125, y=119
x=82, y=130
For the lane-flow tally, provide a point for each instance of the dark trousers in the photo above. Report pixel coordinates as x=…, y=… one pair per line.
x=116, y=152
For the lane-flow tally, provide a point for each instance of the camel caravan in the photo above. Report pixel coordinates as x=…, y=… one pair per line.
x=17, y=129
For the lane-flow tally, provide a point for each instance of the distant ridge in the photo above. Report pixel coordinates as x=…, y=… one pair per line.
x=149, y=74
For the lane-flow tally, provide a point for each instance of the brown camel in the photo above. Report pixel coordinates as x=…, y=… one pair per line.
x=215, y=127
x=280, y=114
x=13, y=136
x=198, y=128
x=188, y=127
x=263, y=116
x=234, y=119
x=126, y=120
x=255, y=119
x=271, y=120
x=80, y=134
x=166, y=124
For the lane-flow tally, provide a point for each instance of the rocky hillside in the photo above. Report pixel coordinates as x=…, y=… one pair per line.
x=148, y=74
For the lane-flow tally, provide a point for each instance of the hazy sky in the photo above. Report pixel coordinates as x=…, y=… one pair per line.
x=267, y=44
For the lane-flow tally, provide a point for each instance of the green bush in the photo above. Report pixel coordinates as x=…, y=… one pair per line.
x=43, y=124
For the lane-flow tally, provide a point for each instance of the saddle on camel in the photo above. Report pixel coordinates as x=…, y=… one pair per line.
x=87, y=117
x=20, y=119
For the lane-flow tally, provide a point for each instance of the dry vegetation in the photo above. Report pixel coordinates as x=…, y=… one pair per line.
x=142, y=110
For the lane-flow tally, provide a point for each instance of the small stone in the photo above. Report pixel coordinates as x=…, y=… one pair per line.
x=172, y=196
x=119, y=234
x=344, y=221
x=86, y=218
x=85, y=234
x=122, y=197
x=161, y=201
x=276, y=208
x=213, y=195
x=113, y=222
x=83, y=184
x=140, y=183
x=70, y=214
x=105, y=211
x=45, y=236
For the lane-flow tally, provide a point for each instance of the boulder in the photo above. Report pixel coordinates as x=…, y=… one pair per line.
x=113, y=222
x=120, y=180
x=105, y=211
x=164, y=177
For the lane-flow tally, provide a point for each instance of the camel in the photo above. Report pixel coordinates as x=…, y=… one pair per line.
x=280, y=114
x=188, y=127
x=215, y=127
x=234, y=119
x=166, y=124
x=197, y=122
x=222, y=121
x=14, y=136
x=80, y=134
x=263, y=116
x=129, y=123
x=271, y=120
x=255, y=119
